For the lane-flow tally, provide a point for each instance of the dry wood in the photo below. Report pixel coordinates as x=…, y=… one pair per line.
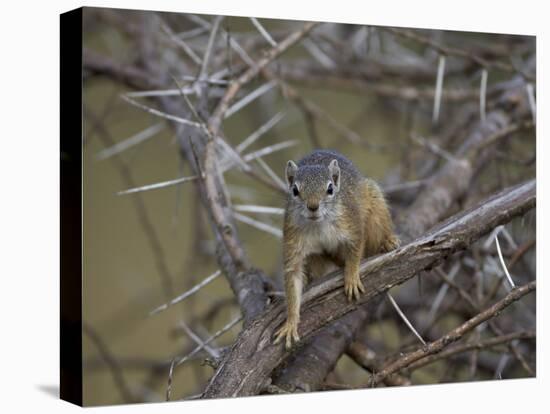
x=246, y=368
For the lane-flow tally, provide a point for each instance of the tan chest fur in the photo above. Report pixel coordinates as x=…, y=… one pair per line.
x=321, y=238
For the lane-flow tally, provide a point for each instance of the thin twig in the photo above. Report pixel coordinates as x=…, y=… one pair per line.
x=216, y=119
x=454, y=335
x=478, y=345
x=143, y=217
x=223, y=330
x=187, y=293
x=209, y=46
x=170, y=377
x=111, y=361
x=434, y=148
x=453, y=51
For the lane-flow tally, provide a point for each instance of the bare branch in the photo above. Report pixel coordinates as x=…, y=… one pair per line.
x=254, y=356
x=450, y=51
x=285, y=44
x=454, y=335
x=479, y=345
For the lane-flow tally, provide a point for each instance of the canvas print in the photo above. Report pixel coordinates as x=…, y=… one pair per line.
x=280, y=206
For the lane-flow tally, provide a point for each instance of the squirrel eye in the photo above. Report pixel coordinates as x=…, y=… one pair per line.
x=330, y=189
x=295, y=191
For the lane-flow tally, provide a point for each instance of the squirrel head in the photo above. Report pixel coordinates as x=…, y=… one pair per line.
x=313, y=190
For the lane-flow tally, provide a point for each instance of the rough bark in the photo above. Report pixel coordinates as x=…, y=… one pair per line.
x=247, y=367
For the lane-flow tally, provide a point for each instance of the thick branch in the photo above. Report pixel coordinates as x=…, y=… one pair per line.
x=253, y=357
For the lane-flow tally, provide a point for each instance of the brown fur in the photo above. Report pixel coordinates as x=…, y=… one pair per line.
x=360, y=226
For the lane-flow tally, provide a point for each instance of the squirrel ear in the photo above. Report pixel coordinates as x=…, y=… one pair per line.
x=334, y=170
x=290, y=172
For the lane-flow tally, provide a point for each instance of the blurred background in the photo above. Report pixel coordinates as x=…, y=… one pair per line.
x=369, y=92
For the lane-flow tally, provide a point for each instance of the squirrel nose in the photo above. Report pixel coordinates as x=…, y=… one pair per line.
x=313, y=207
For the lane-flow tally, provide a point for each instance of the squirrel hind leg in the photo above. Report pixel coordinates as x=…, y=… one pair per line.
x=390, y=243
x=378, y=227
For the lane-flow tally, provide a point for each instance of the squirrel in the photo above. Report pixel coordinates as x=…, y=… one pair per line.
x=334, y=216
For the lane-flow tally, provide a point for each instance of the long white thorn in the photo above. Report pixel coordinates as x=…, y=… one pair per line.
x=187, y=293
x=260, y=225
x=259, y=132
x=483, y=95
x=504, y=264
x=438, y=88
x=402, y=315
x=532, y=103
x=212, y=352
x=161, y=114
x=156, y=186
x=248, y=208
x=269, y=150
x=263, y=31
x=249, y=98
x=209, y=47
x=269, y=171
x=130, y=142
x=161, y=92
x=206, y=342
x=180, y=42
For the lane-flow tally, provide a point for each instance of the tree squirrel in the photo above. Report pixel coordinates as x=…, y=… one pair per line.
x=334, y=216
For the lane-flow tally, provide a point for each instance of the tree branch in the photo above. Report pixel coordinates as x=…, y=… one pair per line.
x=454, y=335
x=246, y=368
x=479, y=345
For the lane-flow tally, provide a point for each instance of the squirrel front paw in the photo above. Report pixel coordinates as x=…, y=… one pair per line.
x=353, y=287
x=289, y=331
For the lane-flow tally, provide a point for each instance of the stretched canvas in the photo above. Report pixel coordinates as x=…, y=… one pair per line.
x=183, y=221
